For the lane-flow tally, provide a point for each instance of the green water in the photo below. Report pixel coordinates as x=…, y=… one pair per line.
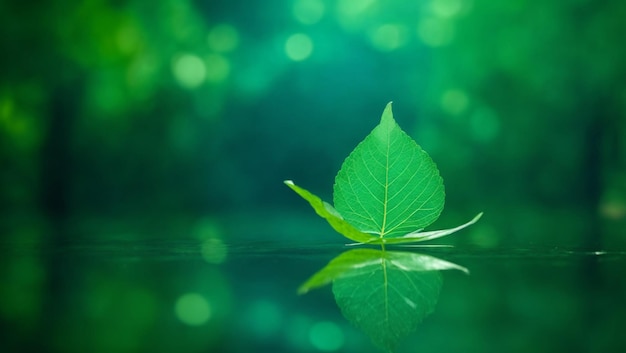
x=117, y=294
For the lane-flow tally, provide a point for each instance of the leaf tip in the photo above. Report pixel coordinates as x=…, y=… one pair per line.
x=288, y=182
x=387, y=119
x=463, y=269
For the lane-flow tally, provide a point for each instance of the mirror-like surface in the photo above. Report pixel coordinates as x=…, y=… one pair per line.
x=384, y=293
x=206, y=295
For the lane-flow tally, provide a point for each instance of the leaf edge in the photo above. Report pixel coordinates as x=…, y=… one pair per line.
x=331, y=215
x=420, y=236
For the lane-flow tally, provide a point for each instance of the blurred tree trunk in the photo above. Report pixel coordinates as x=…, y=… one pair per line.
x=57, y=160
x=57, y=170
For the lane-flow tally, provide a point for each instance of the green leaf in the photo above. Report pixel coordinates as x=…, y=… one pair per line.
x=384, y=293
x=387, y=190
x=327, y=212
x=389, y=186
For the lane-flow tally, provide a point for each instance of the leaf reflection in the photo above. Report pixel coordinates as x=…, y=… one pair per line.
x=386, y=294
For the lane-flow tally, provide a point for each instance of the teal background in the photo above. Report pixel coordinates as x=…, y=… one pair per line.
x=143, y=147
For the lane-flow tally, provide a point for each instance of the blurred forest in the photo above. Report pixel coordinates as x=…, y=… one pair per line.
x=135, y=110
x=183, y=117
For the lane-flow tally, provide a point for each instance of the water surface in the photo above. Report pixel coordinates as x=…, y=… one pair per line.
x=163, y=295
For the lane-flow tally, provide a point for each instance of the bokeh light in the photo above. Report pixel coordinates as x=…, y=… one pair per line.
x=209, y=233
x=454, y=101
x=193, y=309
x=190, y=71
x=308, y=11
x=389, y=37
x=484, y=236
x=298, y=47
x=326, y=336
x=447, y=8
x=214, y=250
x=435, y=32
x=351, y=14
x=223, y=38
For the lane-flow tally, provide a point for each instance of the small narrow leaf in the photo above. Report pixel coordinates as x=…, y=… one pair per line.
x=423, y=236
x=331, y=215
x=388, y=185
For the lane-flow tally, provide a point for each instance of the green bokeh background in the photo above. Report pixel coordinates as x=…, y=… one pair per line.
x=178, y=120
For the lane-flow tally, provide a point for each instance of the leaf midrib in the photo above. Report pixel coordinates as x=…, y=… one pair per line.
x=388, y=141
